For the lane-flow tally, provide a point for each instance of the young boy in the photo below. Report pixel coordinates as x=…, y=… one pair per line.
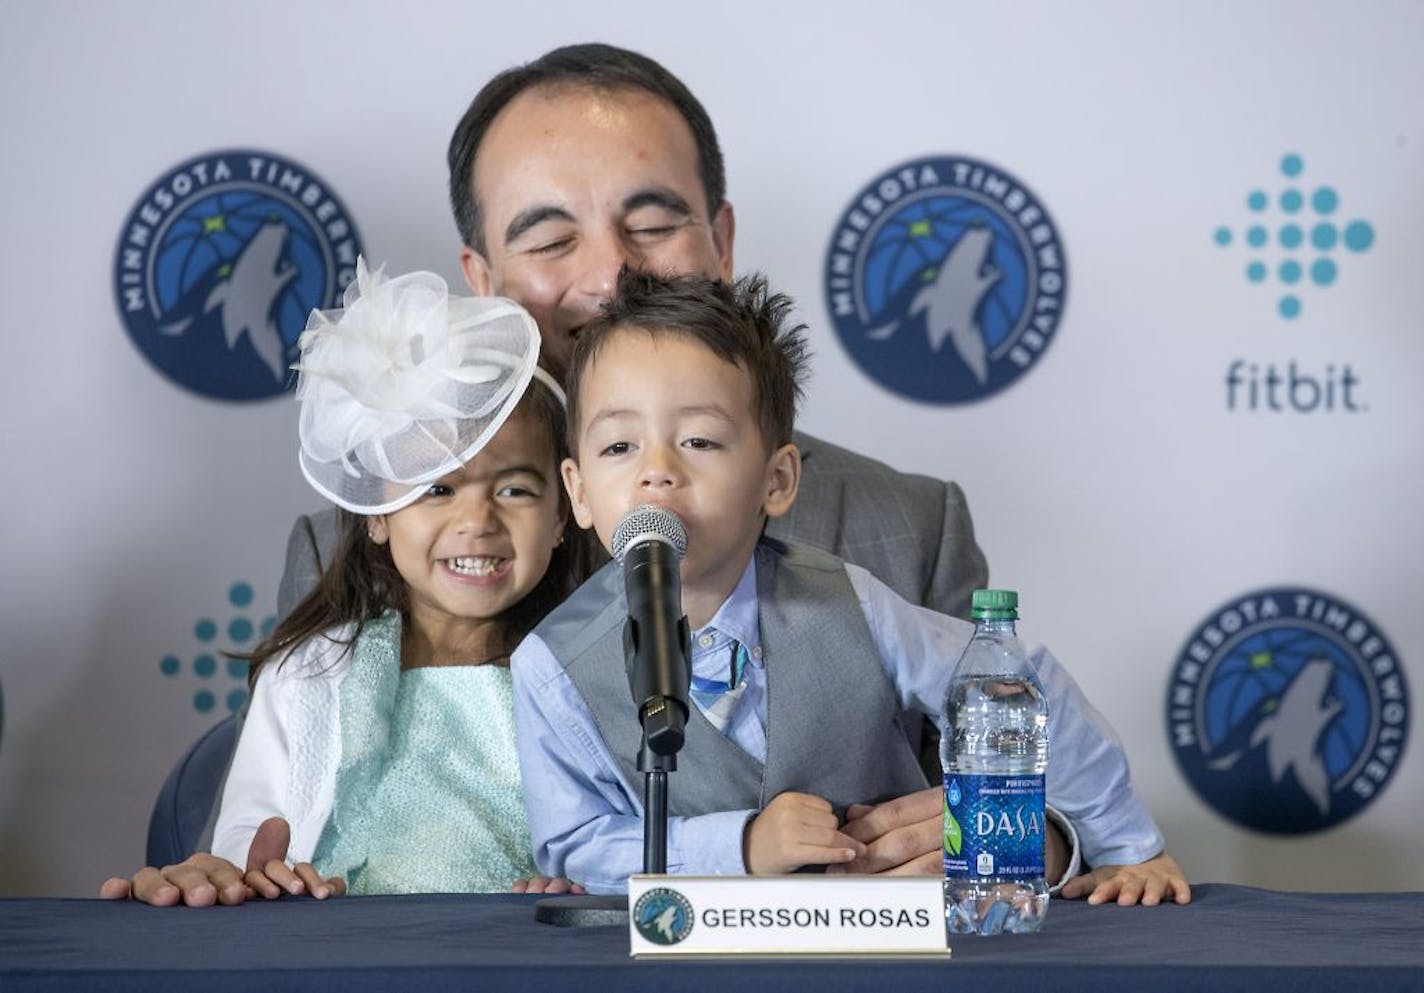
x=682, y=394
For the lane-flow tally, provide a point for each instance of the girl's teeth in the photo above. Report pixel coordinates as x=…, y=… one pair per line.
x=476, y=566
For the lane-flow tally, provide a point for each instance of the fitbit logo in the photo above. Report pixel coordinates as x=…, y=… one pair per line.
x=1298, y=242
x=1294, y=237
x=1266, y=387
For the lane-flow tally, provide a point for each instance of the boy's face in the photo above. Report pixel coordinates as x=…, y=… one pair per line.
x=665, y=421
x=480, y=538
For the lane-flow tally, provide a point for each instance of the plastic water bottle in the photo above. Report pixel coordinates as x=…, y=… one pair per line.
x=993, y=750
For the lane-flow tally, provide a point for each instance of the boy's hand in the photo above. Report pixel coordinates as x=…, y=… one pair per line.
x=1146, y=883
x=546, y=884
x=795, y=829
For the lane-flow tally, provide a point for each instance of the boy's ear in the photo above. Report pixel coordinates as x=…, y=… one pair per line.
x=783, y=478
x=377, y=528
x=573, y=485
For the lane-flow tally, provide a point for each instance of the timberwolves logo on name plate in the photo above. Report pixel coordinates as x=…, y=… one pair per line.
x=1288, y=710
x=663, y=916
x=219, y=264
x=945, y=279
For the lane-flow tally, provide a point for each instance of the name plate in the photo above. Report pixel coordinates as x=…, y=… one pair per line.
x=786, y=915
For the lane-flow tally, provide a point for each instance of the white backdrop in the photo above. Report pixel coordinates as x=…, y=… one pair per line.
x=1110, y=485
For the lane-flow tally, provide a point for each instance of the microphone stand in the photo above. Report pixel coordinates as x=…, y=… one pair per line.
x=588, y=910
x=666, y=722
x=663, y=719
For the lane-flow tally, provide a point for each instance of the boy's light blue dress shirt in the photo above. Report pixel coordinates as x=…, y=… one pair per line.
x=586, y=823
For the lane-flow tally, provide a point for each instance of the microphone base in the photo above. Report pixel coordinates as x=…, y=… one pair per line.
x=583, y=910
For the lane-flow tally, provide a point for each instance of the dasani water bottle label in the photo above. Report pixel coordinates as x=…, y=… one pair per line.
x=993, y=825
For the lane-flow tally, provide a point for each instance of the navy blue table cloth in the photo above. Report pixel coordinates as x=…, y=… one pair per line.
x=1229, y=938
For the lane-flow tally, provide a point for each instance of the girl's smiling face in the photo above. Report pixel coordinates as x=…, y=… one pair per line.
x=479, y=539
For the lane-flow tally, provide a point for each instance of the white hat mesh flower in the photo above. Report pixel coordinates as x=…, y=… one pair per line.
x=405, y=384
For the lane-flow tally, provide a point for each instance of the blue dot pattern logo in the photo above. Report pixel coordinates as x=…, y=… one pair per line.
x=1288, y=710
x=945, y=279
x=220, y=263
x=663, y=916
x=221, y=680
x=1297, y=225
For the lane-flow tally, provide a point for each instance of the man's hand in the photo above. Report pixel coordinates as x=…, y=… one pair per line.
x=546, y=884
x=905, y=836
x=1146, y=883
x=198, y=881
x=795, y=829
x=202, y=880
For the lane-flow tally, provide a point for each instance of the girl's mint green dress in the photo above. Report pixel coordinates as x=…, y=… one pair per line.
x=428, y=796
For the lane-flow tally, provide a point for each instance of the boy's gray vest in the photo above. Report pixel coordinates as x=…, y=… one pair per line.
x=832, y=719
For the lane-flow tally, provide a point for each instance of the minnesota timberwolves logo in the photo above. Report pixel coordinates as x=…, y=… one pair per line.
x=945, y=279
x=1288, y=710
x=221, y=261
x=663, y=916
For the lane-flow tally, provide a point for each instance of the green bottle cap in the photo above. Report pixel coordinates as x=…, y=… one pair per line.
x=1000, y=605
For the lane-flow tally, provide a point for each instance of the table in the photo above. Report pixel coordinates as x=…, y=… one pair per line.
x=1229, y=938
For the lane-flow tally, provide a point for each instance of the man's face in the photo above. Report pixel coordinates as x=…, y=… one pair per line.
x=573, y=183
x=664, y=421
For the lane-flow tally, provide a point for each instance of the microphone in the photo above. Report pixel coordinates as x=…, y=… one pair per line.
x=649, y=542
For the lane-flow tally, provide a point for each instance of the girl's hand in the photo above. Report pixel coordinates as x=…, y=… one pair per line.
x=276, y=878
x=546, y=884
x=268, y=874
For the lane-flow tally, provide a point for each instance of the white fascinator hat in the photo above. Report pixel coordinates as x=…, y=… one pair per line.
x=406, y=383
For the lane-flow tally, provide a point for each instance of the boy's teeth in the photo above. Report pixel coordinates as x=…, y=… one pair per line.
x=479, y=565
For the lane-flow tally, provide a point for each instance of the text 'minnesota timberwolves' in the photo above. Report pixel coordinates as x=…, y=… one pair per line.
x=945, y=279
x=219, y=264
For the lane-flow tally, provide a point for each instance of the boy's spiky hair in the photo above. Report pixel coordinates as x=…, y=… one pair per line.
x=743, y=323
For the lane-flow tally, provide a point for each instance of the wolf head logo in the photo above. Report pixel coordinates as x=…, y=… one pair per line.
x=246, y=297
x=1292, y=734
x=951, y=301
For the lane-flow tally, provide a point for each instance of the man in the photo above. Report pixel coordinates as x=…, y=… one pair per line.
x=590, y=158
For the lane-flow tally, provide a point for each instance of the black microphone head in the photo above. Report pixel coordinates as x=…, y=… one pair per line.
x=649, y=523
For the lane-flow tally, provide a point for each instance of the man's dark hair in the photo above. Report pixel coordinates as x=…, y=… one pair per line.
x=743, y=323
x=595, y=66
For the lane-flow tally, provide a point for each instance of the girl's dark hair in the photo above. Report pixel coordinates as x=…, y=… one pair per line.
x=361, y=581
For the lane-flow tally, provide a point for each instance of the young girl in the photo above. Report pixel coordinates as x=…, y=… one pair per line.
x=381, y=723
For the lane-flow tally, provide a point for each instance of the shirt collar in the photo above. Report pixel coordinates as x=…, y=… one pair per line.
x=737, y=618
